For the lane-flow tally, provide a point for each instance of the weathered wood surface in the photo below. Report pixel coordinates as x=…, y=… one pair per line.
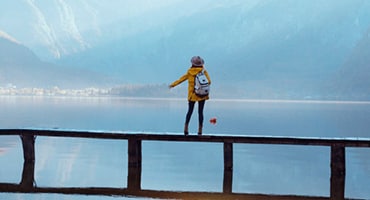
x=14, y=188
x=312, y=141
x=337, y=163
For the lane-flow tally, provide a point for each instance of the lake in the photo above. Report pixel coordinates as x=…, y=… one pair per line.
x=183, y=166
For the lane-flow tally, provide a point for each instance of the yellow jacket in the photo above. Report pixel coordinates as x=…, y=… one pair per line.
x=190, y=76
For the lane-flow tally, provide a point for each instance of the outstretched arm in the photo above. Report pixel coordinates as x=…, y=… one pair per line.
x=180, y=80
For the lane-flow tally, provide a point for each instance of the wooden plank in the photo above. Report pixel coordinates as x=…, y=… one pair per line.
x=154, y=194
x=28, y=144
x=338, y=173
x=28, y=173
x=134, y=164
x=205, y=138
x=338, y=145
x=228, y=168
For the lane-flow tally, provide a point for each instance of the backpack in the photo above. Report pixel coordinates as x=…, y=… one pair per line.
x=201, y=84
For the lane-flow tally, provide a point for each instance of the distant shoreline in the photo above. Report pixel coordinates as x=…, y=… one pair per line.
x=241, y=100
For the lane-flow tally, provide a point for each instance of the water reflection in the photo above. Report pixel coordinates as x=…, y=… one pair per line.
x=148, y=115
x=11, y=159
x=65, y=167
x=182, y=166
x=282, y=169
x=74, y=162
x=70, y=163
x=357, y=175
x=82, y=162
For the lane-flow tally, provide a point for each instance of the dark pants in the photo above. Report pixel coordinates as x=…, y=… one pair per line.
x=200, y=111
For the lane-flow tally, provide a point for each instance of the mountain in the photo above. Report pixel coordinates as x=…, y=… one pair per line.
x=261, y=49
x=254, y=48
x=53, y=29
x=19, y=66
x=353, y=78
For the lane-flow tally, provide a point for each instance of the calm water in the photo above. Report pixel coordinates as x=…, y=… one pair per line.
x=274, y=169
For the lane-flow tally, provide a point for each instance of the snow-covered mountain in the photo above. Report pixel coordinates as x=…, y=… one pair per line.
x=20, y=67
x=263, y=47
x=258, y=47
x=57, y=28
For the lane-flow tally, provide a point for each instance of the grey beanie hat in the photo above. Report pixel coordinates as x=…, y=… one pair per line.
x=197, y=61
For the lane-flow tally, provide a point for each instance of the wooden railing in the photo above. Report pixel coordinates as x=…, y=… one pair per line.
x=337, y=163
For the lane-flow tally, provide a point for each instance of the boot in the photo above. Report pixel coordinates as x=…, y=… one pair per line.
x=186, y=129
x=200, y=128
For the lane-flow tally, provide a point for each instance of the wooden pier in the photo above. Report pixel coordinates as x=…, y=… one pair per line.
x=26, y=185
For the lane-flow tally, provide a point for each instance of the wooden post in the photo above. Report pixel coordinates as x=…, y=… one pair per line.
x=134, y=164
x=28, y=174
x=338, y=172
x=228, y=167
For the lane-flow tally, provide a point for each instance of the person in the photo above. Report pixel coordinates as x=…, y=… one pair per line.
x=196, y=67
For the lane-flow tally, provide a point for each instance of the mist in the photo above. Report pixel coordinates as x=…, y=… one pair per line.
x=252, y=49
